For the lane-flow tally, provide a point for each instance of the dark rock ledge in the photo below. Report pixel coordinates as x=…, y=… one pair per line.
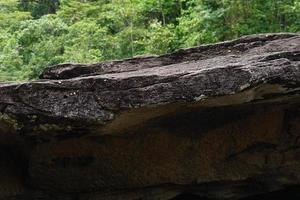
x=217, y=121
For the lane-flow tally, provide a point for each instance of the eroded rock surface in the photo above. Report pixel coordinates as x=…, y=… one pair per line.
x=218, y=121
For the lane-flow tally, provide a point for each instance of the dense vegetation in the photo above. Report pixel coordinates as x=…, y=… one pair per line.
x=38, y=33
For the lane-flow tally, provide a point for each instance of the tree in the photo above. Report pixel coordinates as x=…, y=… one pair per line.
x=39, y=8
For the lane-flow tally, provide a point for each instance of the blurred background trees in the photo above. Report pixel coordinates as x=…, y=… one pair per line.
x=37, y=33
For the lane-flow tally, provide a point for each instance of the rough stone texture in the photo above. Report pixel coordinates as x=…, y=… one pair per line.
x=219, y=121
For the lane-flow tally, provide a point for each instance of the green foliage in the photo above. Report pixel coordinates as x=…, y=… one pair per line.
x=10, y=15
x=39, y=8
x=160, y=38
x=37, y=33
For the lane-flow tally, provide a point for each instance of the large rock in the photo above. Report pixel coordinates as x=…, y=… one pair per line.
x=220, y=121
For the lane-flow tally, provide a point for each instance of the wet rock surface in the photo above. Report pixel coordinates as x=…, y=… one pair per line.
x=218, y=121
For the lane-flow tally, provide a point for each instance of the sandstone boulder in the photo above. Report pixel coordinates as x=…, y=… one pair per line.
x=218, y=121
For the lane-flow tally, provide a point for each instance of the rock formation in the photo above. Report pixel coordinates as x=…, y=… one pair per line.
x=218, y=121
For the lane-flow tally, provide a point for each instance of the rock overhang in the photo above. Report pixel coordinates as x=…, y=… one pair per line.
x=213, y=114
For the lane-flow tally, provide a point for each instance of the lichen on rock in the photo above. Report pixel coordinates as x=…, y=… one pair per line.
x=10, y=122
